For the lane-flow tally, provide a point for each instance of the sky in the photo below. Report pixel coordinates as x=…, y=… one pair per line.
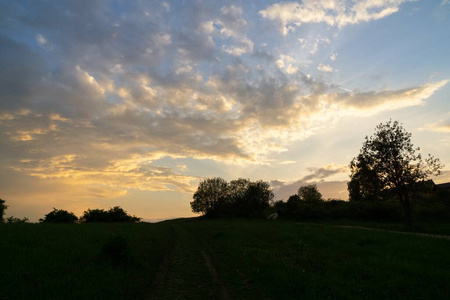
x=133, y=103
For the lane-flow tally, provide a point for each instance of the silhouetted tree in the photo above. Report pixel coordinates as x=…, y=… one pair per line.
x=210, y=197
x=59, y=216
x=257, y=198
x=388, y=162
x=118, y=215
x=14, y=220
x=94, y=216
x=309, y=193
x=242, y=198
x=113, y=215
x=292, y=205
x=3, y=207
x=365, y=185
x=236, y=202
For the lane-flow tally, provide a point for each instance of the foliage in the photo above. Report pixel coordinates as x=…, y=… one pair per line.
x=113, y=215
x=3, y=207
x=388, y=162
x=309, y=193
x=255, y=199
x=14, y=220
x=59, y=216
x=239, y=198
x=211, y=197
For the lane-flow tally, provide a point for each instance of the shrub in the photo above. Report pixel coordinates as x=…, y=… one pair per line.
x=15, y=220
x=113, y=215
x=59, y=216
x=3, y=207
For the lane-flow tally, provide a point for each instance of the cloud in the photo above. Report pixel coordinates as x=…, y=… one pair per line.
x=325, y=171
x=230, y=24
x=339, y=13
x=440, y=126
x=41, y=40
x=280, y=63
x=328, y=188
x=122, y=89
x=385, y=100
x=325, y=68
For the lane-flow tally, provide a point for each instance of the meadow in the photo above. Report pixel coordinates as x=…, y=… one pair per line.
x=220, y=259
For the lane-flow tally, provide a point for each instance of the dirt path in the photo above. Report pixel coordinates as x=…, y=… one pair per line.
x=187, y=271
x=447, y=237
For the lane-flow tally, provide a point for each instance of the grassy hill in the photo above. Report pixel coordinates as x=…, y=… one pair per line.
x=219, y=259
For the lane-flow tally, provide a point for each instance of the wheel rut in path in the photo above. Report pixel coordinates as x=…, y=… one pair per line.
x=187, y=271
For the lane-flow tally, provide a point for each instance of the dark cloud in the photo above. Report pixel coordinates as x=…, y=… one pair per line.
x=22, y=71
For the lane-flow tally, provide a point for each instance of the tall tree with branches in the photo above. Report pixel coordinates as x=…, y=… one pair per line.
x=389, y=161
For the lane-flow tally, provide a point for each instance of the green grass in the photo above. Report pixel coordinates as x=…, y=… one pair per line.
x=253, y=259
x=282, y=260
x=49, y=261
x=437, y=227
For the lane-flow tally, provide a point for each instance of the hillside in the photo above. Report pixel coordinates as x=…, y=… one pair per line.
x=219, y=259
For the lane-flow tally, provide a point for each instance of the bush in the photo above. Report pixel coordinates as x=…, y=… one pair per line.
x=3, y=207
x=113, y=215
x=240, y=198
x=15, y=220
x=59, y=216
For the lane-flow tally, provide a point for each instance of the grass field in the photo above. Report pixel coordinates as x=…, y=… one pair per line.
x=219, y=259
x=49, y=261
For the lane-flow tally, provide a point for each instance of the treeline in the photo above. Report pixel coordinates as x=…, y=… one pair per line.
x=215, y=197
x=427, y=205
x=113, y=215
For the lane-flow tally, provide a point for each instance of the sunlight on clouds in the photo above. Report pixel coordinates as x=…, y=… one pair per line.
x=90, y=80
x=199, y=85
x=6, y=117
x=229, y=25
x=373, y=102
x=133, y=173
x=105, y=192
x=325, y=68
x=440, y=126
x=334, y=13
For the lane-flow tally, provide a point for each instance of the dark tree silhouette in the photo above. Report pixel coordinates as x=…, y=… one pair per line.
x=113, y=215
x=257, y=198
x=59, y=216
x=309, y=193
x=240, y=198
x=118, y=215
x=210, y=197
x=3, y=207
x=388, y=162
x=291, y=206
x=14, y=220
